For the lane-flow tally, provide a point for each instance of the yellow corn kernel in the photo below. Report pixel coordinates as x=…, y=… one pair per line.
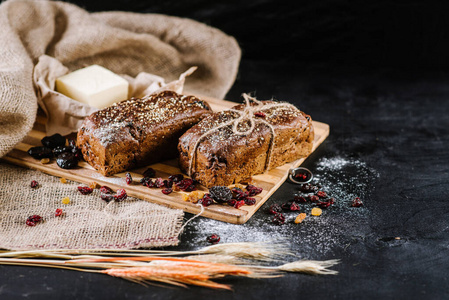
x=65, y=200
x=300, y=218
x=316, y=211
x=63, y=180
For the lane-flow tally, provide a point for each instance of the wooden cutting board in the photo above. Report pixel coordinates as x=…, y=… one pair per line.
x=269, y=181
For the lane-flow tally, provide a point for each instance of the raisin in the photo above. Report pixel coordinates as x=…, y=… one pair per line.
x=67, y=160
x=239, y=194
x=61, y=149
x=356, y=202
x=53, y=141
x=85, y=190
x=213, y=238
x=278, y=219
x=176, y=178
x=149, y=173
x=253, y=190
x=250, y=201
x=221, y=194
x=128, y=178
x=34, y=184
x=40, y=152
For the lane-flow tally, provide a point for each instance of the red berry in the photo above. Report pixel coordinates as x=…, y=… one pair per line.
x=206, y=200
x=159, y=182
x=321, y=194
x=274, y=209
x=128, y=178
x=213, y=238
x=167, y=191
x=314, y=198
x=356, y=202
x=121, y=195
x=260, y=114
x=106, y=190
x=107, y=197
x=32, y=220
x=250, y=201
x=85, y=190
x=58, y=212
x=278, y=219
x=239, y=204
x=253, y=190
x=299, y=199
x=34, y=184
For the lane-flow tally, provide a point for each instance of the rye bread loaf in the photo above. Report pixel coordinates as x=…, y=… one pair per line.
x=137, y=132
x=230, y=146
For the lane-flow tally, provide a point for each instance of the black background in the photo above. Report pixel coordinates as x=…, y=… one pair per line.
x=376, y=72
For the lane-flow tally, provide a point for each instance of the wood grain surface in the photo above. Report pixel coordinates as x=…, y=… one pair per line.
x=269, y=181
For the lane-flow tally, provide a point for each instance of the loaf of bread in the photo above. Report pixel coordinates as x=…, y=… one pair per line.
x=230, y=146
x=137, y=132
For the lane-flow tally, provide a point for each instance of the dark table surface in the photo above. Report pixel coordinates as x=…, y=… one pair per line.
x=377, y=74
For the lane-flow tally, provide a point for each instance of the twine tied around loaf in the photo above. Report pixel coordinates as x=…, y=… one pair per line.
x=245, y=115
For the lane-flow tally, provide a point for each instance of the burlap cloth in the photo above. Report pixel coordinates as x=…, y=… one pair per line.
x=125, y=43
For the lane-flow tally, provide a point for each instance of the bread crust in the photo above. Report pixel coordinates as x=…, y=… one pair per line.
x=223, y=157
x=138, y=132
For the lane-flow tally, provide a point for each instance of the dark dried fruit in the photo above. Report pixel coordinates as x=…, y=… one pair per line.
x=58, y=212
x=278, y=219
x=239, y=194
x=167, y=191
x=32, y=220
x=61, y=149
x=85, y=190
x=321, y=194
x=232, y=202
x=168, y=183
x=221, y=194
x=239, y=204
x=206, y=200
x=308, y=188
x=290, y=206
x=107, y=197
x=323, y=204
x=159, y=182
x=176, y=177
x=121, y=195
x=213, y=238
x=299, y=199
x=313, y=198
x=128, y=178
x=186, y=185
x=67, y=160
x=253, y=190
x=301, y=176
x=260, y=114
x=106, y=190
x=356, y=202
x=250, y=201
x=40, y=152
x=34, y=184
x=149, y=173
x=274, y=209
x=53, y=141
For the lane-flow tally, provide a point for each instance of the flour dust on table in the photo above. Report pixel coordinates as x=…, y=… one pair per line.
x=342, y=178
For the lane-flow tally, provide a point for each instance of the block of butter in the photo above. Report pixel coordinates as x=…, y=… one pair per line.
x=93, y=85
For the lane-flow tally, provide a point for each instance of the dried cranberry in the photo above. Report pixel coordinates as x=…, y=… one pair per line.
x=331, y=200
x=274, y=209
x=121, y=195
x=250, y=201
x=85, y=190
x=232, y=202
x=294, y=207
x=299, y=199
x=301, y=176
x=167, y=191
x=176, y=177
x=313, y=198
x=321, y=194
x=168, y=183
x=186, y=185
x=239, y=194
x=213, y=238
x=260, y=114
x=206, y=200
x=40, y=152
x=150, y=183
x=107, y=197
x=128, y=178
x=239, y=204
x=149, y=173
x=290, y=206
x=278, y=219
x=356, y=202
x=106, y=190
x=32, y=220
x=221, y=194
x=159, y=182
x=58, y=212
x=34, y=184
x=67, y=160
x=253, y=190
x=308, y=188
x=323, y=204
x=53, y=141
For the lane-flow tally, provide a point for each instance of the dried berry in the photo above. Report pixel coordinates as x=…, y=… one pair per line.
x=40, y=152
x=321, y=194
x=168, y=183
x=85, y=190
x=278, y=219
x=232, y=202
x=107, y=197
x=250, y=201
x=67, y=160
x=53, y=141
x=206, y=200
x=221, y=194
x=308, y=188
x=32, y=220
x=61, y=149
x=186, y=185
x=213, y=238
x=274, y=209
x=121, y=195
x=239, y=204
x=34, y=184
x=323, y=204
x=106, y=190
x=176, y=177
x=299, y=199
x=149, y=173
x=313, y=198
x=58, y=212
x=128, y=178
x=159, y=182
x=356, y=202
x=167, y=191
x=260, y=114
x=253, y=190
x=239, y=194
x=300, y=176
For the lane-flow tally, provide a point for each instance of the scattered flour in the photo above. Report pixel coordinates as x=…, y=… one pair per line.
x=342, y=178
